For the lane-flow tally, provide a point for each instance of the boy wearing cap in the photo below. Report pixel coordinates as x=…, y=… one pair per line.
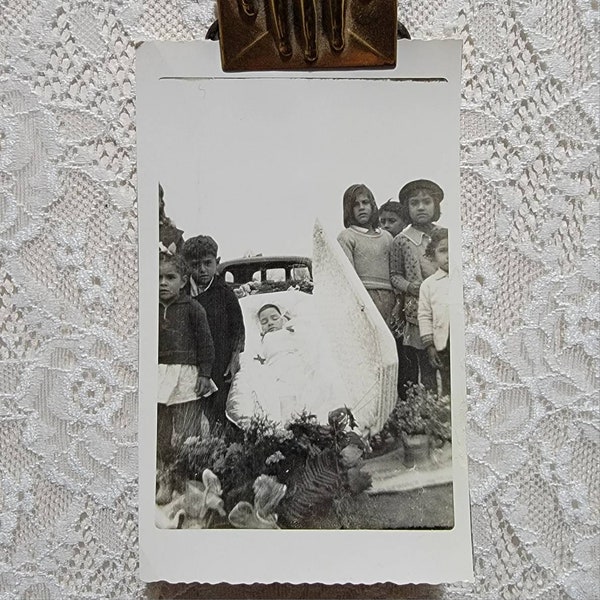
x=224, y=318
x=420, y=203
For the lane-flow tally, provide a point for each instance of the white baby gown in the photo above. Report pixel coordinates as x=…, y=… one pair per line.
x=287, y=377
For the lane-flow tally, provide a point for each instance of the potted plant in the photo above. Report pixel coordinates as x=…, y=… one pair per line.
x=413, y=416
x=418, y=424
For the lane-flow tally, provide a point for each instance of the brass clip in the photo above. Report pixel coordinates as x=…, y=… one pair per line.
x=260, y=35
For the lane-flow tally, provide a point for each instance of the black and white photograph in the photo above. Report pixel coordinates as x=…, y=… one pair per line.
x=301, y=242
x=299, y=299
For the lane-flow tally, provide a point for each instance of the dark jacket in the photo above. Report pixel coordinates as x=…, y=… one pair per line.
x=226, y=324
x=184, y=336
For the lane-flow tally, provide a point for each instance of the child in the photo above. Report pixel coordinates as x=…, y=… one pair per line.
x=185, y=359
x=283, y=345
x=390, y=217
x=224, y=318
x=270, y=319
x=367, y=246
x=409, y=267
x=434, y=318
x=292, y=370
x=288, y=380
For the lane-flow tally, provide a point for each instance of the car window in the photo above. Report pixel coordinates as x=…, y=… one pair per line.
x=300, y=273
x=275, y=274
x=229, y=277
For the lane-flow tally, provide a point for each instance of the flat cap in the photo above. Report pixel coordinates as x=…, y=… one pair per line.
x=412, y=187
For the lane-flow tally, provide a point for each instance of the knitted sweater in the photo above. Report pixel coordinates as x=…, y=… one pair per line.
x=183, y=335
x=226, y=324
x=408, y=264
x=369, y=254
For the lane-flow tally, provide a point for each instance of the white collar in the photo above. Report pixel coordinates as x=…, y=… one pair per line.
x=195, y=289
x=414, y=235
x=365, y=229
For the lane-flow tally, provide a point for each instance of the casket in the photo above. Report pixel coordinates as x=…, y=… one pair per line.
x=353, y=354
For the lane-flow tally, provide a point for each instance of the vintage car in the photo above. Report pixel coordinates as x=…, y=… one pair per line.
x=266, y=268
x=268, y=273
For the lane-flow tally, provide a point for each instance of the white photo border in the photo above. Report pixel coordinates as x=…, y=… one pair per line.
x=299, y=556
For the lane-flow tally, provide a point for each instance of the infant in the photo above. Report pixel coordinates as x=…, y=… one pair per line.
x=287, y=371
x=288, y=374
x=283, y=342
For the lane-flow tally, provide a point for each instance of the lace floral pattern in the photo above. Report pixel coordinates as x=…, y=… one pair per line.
x=68, y=316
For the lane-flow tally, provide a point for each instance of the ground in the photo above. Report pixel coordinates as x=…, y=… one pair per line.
x=429, y=508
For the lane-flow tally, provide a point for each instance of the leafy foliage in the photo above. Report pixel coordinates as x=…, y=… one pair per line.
x=319, y=484
x=440, y=423
x=423, y=412
x=268, y=286
x=318, y=463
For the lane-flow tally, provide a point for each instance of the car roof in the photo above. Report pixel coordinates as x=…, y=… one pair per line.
x=264, y=260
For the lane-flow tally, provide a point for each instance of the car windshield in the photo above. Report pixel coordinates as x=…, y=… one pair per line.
x=278, y=269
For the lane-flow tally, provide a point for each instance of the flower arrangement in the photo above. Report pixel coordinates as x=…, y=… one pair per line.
x=413, y=414
x=421, y=413
x=269, y=476
x=265, y=287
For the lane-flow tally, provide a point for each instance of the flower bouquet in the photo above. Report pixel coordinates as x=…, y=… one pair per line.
x=268, y=476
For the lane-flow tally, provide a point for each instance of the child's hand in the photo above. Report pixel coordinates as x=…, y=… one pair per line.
x=202, y=386
x=413, y=289
x=434, y=358
x=234, y=364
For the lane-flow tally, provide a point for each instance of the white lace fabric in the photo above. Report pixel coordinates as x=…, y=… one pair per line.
x=68, y=291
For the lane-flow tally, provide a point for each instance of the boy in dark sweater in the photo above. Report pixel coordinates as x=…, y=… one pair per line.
x=224, y=318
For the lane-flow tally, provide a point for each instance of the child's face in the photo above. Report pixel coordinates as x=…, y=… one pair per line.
x=203, y=269
x=170, y=282
x=362, y=209
x=441, y=255
x=270, y=320
x=391, y=222
x=421, y=208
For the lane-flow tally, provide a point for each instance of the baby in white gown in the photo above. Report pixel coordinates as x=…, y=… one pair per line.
x=286, y=372
x=286, y=368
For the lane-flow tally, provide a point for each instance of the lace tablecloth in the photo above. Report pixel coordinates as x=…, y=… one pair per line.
x=68, y=293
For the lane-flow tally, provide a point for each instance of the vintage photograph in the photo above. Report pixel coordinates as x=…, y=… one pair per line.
x=306, y=242
x=257, y=399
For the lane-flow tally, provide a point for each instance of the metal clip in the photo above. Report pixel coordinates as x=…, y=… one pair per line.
x=262, y=35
